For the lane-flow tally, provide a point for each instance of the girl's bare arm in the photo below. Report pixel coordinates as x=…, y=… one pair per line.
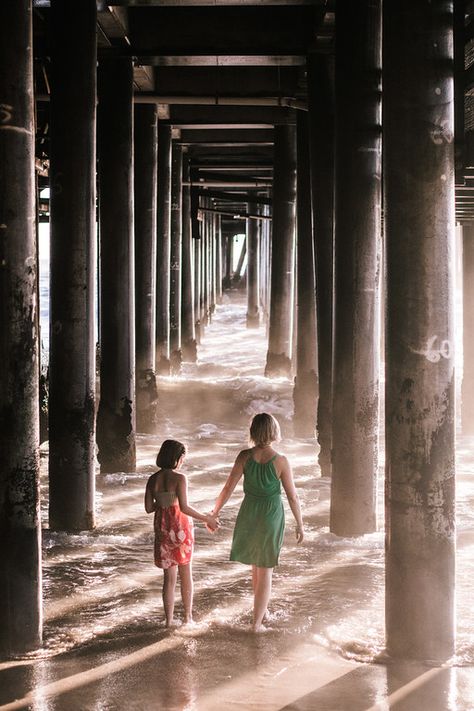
x=149, y=498
x=182, y=492
x=234, y=476
x=292, y=496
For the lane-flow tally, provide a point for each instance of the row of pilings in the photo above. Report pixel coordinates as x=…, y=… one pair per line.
x=158, y=287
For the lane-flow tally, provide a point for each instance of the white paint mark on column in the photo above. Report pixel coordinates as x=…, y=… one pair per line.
x=433, y=353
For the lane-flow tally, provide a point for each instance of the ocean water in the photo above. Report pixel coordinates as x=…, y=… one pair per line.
x=102, y=593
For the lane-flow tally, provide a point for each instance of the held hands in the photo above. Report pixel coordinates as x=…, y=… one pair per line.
x=299, y=534
x=212, y=522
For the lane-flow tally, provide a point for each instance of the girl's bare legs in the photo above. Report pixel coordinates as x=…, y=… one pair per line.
x=169, y=585
x=186, y=579
x=263, y=590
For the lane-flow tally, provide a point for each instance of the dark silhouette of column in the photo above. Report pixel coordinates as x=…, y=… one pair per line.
x=420, y=380
x=175, y=258
x=305, y=393
x=116, y=415
x=145, y=187
x=163, y=251
x=212, y=263
x=321, y=130
x=229, y=257
x=357, y=263
x=283, y=240
x=265, y=228
x=467, y=411
x=219, y=259
x=20, y=525
x=253, y=268
x=188, y=335
x=73, y=264
x=205, y=277
x=197, y=289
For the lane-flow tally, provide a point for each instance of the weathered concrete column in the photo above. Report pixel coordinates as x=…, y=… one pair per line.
x=73, y=264
x=163, y=251
x=176, y=356
x=197, y=289
x=357, y=262
x=20, y=525
x=321, y=130
x=283, y=240
x=213, y=260
x=205, y=276
x=188, y=334
x=265, y=229
x=229, y=257
x=145, y=182
x=305, y=393
x=116, y=415
x=219, y=259
x=467, y=411
x=419, y=227
x=253, y=266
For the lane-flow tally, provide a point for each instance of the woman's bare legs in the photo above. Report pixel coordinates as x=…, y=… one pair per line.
x=169, y=585
x=186, y=579
x=254, y=578
x=263, y=590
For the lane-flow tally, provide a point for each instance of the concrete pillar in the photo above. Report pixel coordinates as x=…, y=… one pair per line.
x=205, y=278
x=163, y=251
x=253, y=281
x=467, y=411
x=420, y=235
x=73, y=265
x=229, y=257
x=188, y=335
x=145, y=182
x=357, y=264
x=176, y=356
x=20, y=525
x=265, y=228
x=219, y=259
x=281, y=301
x=116, y=415
x=305, y=393
x=197, y=289
x=321, y=130
x=213, y=257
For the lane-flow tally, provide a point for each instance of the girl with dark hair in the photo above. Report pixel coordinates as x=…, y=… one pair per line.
x=166, y=494
x=260, y=524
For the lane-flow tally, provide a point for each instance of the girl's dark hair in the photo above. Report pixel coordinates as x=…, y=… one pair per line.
x=170, y=453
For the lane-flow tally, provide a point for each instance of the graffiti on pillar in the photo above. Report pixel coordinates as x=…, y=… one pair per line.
x=5, y=113
x=435, y=349
x=6, y=118
x=442, y=133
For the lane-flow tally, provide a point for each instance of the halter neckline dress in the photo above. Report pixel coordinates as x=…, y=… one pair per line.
x=260, y=524
x=174, y=532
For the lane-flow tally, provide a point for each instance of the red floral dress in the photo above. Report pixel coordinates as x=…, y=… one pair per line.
x=174, y=533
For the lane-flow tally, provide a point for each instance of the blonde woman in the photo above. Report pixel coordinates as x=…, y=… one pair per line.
x=260, y=524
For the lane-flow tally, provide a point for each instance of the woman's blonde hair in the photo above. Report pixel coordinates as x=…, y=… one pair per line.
x=264, y=429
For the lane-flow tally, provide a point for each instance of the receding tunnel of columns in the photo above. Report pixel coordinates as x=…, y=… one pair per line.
x=257, y=220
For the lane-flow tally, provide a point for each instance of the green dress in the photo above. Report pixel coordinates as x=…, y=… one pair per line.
x=260, y=524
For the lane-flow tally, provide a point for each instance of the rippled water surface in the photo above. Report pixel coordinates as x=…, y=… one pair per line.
x=102, y=591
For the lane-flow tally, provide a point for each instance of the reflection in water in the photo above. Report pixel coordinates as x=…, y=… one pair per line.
x=103, y=593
